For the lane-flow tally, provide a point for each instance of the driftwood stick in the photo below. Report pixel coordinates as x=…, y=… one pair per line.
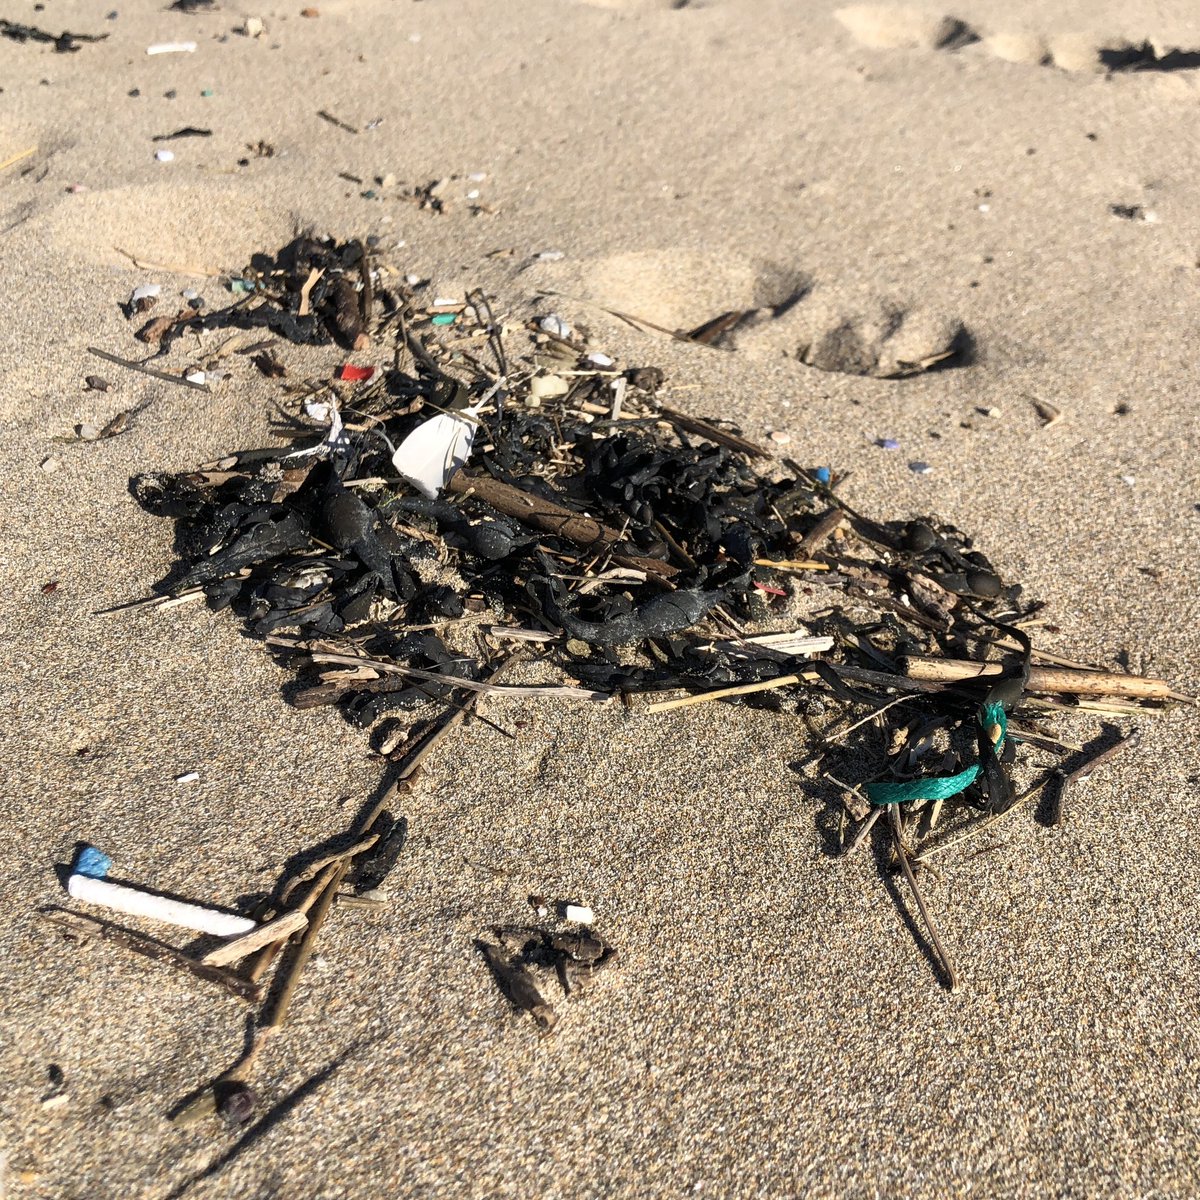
x=1081, y=773
x=826, y=525
x=550, y=517
x=152, y=948
x=745, y=689
x=133, y=365
x=235, y=949
x=329, y=881
x=1055, y=680
x=898, y=838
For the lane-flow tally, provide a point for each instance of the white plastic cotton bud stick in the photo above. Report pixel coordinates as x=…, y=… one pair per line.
x=137, y=903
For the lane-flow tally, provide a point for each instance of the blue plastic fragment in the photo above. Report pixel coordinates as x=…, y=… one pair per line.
x=92, y=862
x=823, y=475
x=887, y=443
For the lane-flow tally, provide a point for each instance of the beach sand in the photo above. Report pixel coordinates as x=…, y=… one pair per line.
x=771, y=1028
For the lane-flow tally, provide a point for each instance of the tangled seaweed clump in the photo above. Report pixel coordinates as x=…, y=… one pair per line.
x=416, y=525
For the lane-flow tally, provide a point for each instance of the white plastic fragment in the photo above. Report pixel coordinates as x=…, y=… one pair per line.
x=188, y=777
x=147, y=291
x=122, y=898
x=549, y=255
x=600, y=360
x=546, y=387
x=172, y=48
x=581, y=914
x=165, y=155
x=335, y=439
x=253, y=27
x=556, y=325
x=477, y=176
x=435, y=450
x=196, y=376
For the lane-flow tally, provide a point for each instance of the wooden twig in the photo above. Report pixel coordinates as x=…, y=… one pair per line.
x=1082, y=772
x=791, y=564
x=153, y=949
x=133, y=365
x=18, y=157
x=745, y=689
x=550, y=517
x=713, y=433
x=898, y=839
x=315, y=868
x=1055, y=680
x=238, y=948
x=325, y=891
x=827, y=524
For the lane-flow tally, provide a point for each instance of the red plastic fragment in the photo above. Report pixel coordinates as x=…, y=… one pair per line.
x=353, y=374
x=771, y=591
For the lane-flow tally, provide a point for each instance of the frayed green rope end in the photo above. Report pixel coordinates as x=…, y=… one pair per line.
x=992, y=720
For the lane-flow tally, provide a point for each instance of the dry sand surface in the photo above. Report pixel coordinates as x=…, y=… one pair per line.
x=772, y=1028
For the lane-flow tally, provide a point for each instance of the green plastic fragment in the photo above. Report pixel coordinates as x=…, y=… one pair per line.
x=445, y=318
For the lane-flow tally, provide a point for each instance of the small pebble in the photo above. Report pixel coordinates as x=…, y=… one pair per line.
x=237, y=1103
x=887, y=443
x=97, y=383
x=600, y=360
x=555, y=325
x=49, y=465
x=1129, y=480
x=780, y=437
x=920, y=468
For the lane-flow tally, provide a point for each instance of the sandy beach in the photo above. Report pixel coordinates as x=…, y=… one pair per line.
x=771, y=1028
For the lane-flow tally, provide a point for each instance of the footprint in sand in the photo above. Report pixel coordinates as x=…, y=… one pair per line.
x=198, y=228
x=765, y=308
x=895, y=27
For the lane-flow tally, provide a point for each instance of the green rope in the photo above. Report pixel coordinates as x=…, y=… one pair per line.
x=942, y=787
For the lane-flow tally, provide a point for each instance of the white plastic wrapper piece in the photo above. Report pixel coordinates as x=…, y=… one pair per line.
x=435, y=450
x=137, y=903
x=438, y=447
x=148, y=291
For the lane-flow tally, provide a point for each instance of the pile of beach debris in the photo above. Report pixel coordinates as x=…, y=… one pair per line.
x=502, y=496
